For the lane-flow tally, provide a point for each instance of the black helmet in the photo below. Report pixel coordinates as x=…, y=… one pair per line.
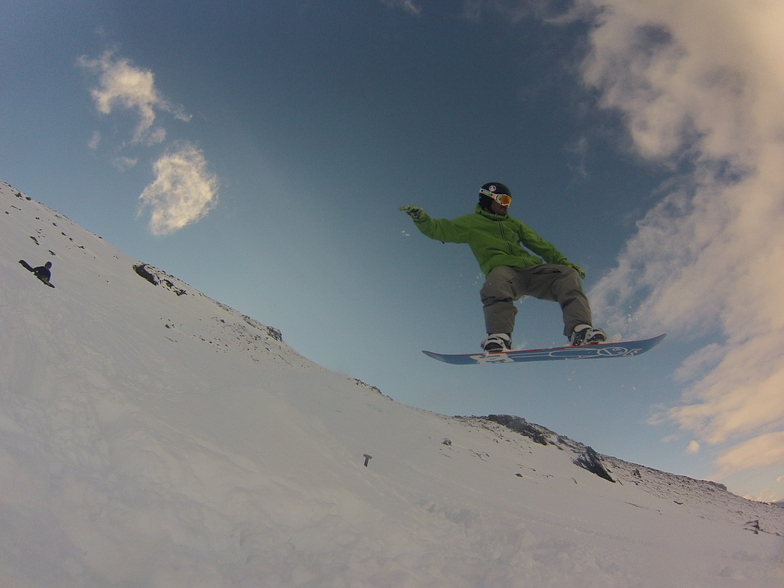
x=494, y=188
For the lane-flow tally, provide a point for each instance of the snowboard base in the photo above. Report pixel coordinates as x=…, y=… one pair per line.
x=602, y=350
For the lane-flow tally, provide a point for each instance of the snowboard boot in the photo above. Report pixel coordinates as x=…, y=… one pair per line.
x=586, y=335
x=497, y=342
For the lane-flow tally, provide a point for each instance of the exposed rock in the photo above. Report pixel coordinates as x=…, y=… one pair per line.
x=534, y=432
x=591, y=461
x=142, y=270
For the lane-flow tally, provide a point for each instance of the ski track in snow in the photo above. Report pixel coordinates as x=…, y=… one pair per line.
x=151, y=436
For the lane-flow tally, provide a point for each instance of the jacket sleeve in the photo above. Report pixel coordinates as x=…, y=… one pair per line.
x=545, y=249
x=448, y=231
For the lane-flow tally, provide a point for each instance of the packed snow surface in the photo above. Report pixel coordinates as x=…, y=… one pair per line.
x=151, y=436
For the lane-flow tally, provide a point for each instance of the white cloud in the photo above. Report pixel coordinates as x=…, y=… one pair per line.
x=701, y=81
x=123, y=85
x=183, y=191
x=693, y=447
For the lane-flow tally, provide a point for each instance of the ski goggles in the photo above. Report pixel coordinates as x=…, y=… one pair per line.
x=502, y=199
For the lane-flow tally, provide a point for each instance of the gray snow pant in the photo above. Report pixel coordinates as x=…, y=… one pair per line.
x=559, y=283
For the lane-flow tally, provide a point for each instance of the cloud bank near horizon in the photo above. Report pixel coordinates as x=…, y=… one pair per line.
x=699, y=86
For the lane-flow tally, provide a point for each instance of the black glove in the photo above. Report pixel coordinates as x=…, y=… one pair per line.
x=413, y=211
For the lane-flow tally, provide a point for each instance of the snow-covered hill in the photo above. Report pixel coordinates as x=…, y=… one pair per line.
x=151, y=436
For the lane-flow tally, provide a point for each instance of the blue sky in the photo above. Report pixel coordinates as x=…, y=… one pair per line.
x=260, y=151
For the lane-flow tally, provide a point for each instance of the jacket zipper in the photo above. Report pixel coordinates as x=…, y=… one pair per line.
x=503, y=236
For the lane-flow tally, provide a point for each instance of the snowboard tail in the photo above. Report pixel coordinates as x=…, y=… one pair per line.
x=600, y=351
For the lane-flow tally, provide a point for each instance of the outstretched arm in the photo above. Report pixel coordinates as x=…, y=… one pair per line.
x=445, y=230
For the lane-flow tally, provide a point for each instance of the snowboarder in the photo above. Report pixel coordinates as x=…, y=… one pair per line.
x=42, y=272
x=499, y=243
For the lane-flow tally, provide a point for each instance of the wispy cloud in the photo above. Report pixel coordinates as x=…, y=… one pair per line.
x=700, y=82
x=407, y=5
x=95, y=140
x=578, y=152
x=551, y=11
x=125, y=86
x=758, y=452
x=183, y=191
x=124, y=163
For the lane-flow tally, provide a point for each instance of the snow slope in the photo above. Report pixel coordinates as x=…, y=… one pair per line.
x=150, y=436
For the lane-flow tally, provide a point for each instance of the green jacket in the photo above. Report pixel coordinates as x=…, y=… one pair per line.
x=494, y=240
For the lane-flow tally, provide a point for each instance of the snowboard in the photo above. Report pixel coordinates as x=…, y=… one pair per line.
x=29, y=268
x=600, y=351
